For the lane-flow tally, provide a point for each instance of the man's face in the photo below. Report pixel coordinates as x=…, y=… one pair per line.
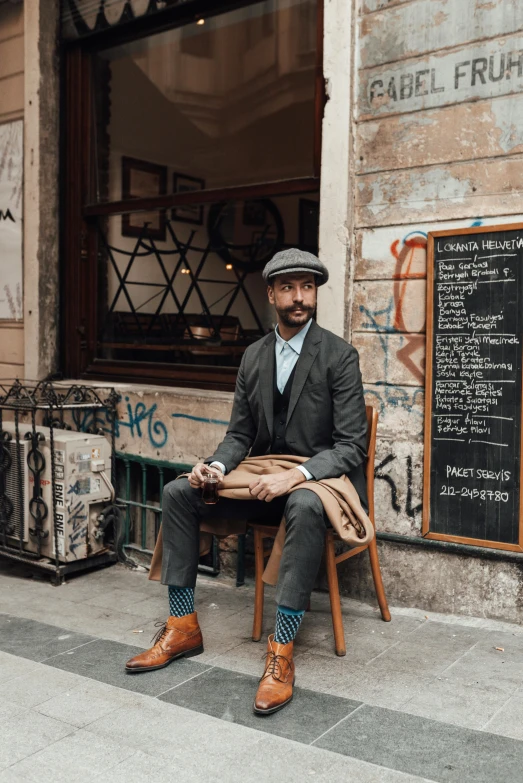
x=294, y=297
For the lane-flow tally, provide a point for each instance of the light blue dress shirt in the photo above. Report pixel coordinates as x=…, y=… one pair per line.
x=287, y=354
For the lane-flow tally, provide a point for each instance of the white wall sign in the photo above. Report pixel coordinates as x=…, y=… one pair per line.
x=11, y=190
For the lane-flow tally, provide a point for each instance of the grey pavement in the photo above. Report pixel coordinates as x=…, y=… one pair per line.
x=425, y=697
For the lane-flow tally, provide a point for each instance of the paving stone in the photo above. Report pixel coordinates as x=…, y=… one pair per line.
x=37, y=686
x=36, y=640
x=104, y=660
x=8, y=710
x=117, y=599
x=452, y=702
x=428, y=748
x=183, y=738
x=349, y=769
x=429, y=657
x=28, y=733
x=344, y=677
x=142, y=767
x=487, y=667
x=85, y=703
x=80, y=588
x=230, y=695
x=273, y=759
x=11, y=666
x=77, y=758
x=509, y=720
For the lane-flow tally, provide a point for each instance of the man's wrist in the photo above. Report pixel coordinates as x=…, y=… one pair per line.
x=304, y=471
x=298, y=476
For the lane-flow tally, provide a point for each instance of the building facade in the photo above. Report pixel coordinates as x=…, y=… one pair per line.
x=169, y=148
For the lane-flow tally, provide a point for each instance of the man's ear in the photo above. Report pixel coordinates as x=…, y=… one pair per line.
x=270, y=294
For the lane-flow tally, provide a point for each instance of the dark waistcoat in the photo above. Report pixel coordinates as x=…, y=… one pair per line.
x=281, y=408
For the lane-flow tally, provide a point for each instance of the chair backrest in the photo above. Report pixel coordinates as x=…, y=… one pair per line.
x=372, y=428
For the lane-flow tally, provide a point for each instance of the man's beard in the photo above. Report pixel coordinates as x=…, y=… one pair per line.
x=289, y=317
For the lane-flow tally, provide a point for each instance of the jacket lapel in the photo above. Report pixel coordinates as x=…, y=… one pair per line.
x=310, y=349
x=266, y=369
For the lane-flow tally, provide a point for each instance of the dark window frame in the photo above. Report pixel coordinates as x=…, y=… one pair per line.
x=80, y=214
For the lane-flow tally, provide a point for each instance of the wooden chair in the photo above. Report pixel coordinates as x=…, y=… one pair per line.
x=263, y=532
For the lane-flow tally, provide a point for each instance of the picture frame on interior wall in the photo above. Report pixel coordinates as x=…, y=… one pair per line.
x=142, y=179
x=190, y=213
x=308, y=224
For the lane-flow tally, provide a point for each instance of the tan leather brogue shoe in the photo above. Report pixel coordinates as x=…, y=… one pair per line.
x=275, y=688
x=179, y=637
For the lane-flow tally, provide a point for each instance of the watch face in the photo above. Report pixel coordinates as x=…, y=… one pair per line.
x=246, y=234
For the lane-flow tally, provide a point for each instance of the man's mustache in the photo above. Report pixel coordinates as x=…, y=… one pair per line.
x=295, y=308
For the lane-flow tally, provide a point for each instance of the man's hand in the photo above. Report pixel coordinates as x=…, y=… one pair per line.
x=275, y=484
x=199, y=471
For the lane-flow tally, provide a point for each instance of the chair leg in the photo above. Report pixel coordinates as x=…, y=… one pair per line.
x=378, y=581
x=259, y=563
x=334, y=595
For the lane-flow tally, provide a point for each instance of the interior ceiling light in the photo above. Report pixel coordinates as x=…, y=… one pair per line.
x=200, y=21
x=228, y=266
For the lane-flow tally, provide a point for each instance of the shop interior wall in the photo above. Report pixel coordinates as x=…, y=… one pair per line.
x=438, y=142
x=11, y=109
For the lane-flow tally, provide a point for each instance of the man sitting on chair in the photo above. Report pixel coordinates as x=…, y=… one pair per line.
x=298, y=392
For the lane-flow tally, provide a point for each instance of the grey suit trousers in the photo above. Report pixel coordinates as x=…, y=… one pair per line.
x=306, y=523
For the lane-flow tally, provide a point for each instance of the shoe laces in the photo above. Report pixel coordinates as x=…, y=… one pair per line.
x=157, y=637
x=274, y=667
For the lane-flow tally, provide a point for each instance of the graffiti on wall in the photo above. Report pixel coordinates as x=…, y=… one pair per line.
x=408, y=506
x=383, y=322
x=141, y=421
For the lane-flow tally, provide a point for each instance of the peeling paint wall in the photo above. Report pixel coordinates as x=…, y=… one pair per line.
x=11, y=109
x=438, y=143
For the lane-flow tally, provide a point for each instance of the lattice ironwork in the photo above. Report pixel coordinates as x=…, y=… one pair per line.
x=170, y=325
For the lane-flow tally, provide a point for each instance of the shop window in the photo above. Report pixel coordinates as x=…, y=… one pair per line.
x=201, y=162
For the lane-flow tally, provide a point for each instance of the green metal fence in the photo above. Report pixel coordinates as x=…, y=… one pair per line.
x=142, y=480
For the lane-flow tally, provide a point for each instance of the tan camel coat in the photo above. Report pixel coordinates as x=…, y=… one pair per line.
x=340, y=501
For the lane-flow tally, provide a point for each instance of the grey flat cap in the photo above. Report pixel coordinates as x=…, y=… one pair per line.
x=294, y=260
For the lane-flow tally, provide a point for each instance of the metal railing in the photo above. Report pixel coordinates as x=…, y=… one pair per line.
x=143, y=480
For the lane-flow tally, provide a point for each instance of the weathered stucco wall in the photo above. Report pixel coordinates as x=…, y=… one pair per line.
x=438, y=138
x=41, y=202
x=11, y=108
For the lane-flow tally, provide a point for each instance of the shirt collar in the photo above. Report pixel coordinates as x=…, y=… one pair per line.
x=296, y=342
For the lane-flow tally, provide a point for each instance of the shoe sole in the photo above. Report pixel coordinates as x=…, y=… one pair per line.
x=187, y=654
x=272, y=709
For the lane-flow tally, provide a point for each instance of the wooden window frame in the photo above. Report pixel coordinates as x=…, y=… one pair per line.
x=80, y=213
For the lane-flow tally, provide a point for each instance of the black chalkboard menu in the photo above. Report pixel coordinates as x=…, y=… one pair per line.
x=472, y=472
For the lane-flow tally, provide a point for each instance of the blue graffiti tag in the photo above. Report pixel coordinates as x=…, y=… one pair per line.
x=135, y=416
x=156, y=430
x=200, y=418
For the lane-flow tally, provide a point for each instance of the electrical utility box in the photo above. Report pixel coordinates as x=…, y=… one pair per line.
x=82, y=492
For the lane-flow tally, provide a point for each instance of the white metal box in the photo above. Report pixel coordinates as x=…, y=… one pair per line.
x=81, y=491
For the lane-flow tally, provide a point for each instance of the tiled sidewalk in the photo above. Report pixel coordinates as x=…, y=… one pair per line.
x=422, y=697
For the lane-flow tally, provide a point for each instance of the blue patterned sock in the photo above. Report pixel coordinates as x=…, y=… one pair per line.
x=287, y=623
x=181, y=601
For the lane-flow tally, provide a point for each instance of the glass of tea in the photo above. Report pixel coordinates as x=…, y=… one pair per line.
x=210, y=489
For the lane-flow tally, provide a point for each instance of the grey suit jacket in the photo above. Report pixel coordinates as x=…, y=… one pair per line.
x=326, y=420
